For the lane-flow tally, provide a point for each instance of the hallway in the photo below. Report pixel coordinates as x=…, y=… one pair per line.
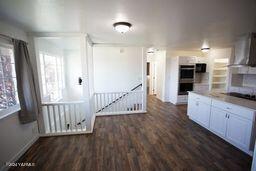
x=162, y=139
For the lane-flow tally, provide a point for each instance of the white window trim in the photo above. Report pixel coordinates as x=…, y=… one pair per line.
x=13, y=109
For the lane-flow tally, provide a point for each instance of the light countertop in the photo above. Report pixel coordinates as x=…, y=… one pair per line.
x=229, y=99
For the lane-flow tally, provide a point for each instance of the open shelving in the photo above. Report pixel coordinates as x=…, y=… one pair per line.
x=219, y=74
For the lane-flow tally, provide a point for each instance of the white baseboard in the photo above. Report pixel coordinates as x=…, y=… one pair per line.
x=20, y=153
x=64, y=133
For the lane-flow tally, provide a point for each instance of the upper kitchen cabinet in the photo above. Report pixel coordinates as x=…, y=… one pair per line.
x=185, y=60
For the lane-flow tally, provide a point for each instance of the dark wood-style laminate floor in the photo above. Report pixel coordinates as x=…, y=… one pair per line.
x=162, y=139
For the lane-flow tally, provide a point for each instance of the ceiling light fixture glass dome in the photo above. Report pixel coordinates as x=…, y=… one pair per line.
x=122, y=27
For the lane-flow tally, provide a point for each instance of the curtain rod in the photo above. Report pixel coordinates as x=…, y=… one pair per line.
x=6, y=37
x=9, y=37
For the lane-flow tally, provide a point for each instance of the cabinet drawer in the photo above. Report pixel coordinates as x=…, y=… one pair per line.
x=238, y=110
x=200, y=98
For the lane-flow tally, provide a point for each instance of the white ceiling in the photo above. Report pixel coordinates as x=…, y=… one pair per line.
x=183, y=24
x=64, y=43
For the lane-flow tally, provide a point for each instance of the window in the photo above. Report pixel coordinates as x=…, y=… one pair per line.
x=8, y=84
x=52, y=77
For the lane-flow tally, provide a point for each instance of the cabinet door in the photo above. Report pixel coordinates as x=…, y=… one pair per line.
x=239, y=130
x=192, y=105
x=203, y=113
x=218, y=121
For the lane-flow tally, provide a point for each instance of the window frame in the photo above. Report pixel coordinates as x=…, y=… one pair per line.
x=60, y=80
x=15, y=108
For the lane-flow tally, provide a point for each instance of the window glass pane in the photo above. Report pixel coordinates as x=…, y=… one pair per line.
x=7, y=52
x=51, y=76
x=10, y=90
x=8, y=84
x=7, y=67
x=3, y=100
x=1, y=71
x=13, y=70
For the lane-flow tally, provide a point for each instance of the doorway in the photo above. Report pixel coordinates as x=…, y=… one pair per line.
x=151, y=78
x=60, y=63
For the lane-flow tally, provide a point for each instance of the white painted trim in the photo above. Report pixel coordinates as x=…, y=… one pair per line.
x=121, y=113
x=20, y=153
x=93, y=122
x=56, y=34
x=116, y=45
x=64, y=133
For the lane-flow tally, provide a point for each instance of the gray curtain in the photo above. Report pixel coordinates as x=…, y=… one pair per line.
x=28, y=96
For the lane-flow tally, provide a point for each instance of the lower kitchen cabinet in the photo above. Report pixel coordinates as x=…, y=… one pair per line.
x=218, y=121
x=239, y=131
x=231, y=127
x=203, y=111
x=199, y=111
x=232, y=123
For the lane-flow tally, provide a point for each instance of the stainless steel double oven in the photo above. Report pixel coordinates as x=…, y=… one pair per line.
x=186, y=79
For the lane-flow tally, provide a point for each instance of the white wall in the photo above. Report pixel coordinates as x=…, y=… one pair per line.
x=117, y=68
x=15, y=137
x=160, y=57
x=73, y=71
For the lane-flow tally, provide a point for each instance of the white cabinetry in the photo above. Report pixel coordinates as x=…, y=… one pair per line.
x=239, y=131
x=199, y=109
x=218, y=122
x=231, y=122
x=203, y=113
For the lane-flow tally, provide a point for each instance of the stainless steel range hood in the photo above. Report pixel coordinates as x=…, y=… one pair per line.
x=245, y=51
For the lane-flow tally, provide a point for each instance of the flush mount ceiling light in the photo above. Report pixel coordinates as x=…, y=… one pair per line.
x=122, y=27
x=205, y=49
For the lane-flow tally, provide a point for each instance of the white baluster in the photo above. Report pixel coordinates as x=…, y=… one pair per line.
x=70, y=118
x=65, y=117
x=58, y=109
x=74, y=106
x=80, y=118
x=126, y=102
x=116, y=103
x=98, y=103
x=54, y=117
x=49, y=118
x=135, y=101
x=119, y=102
x=123, y=100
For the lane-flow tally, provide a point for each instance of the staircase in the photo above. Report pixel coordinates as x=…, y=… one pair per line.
x=119, y=102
